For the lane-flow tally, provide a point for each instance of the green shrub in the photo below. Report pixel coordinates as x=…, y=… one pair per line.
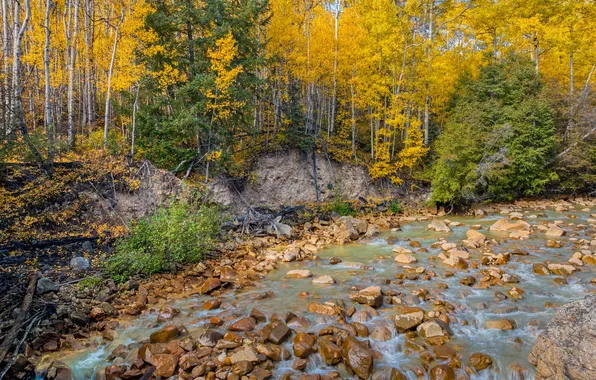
x=175, y=235
x=341, y=207
x=395, y=207
x=89, y=282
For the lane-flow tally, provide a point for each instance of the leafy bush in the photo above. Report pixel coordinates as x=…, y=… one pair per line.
x=175, y=235
x=395, y=207
x=498, y=139
x=341, y=207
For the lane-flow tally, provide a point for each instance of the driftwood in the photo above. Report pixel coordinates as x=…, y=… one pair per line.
x=261, y=220
x=16, y=327
x=45, y=243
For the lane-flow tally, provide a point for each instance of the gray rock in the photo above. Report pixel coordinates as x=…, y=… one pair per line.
x=88, y=247
x=79, y=263
x=45, y=285
x=565, y=349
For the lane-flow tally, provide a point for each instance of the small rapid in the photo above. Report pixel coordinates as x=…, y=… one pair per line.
x=371, y=263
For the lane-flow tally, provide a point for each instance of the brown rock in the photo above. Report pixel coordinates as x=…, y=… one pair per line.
x=408, y=318
x=165, y=335
x=209, y=285
x=242, y=367
x=303, y=344
x=165, y=364
x=279, y=333
x=212, y=304
x=329, y=351
x=500, y=324
x=540, y=269
x=210, y=338
x=442, y=372
x=370, y=296
x=228, y=274
x=358, y=357
x=480, y=361
x=243, y=324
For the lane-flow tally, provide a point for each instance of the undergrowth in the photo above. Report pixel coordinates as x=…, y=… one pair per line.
x=179, y=234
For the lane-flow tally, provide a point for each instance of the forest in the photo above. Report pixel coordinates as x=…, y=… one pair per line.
x=481, y=99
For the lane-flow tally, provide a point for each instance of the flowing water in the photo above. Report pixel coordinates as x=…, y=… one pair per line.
x=474, y=305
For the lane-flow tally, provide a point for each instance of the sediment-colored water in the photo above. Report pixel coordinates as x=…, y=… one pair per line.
x=473, y=305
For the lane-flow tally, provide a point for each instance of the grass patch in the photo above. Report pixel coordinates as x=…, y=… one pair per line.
x=179, y=234
x=89, y=282
x=395, y=207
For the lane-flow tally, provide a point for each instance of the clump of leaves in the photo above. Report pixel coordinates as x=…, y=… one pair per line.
x=89, y=282
x=341, y=207
x=179, y=234
x=395, y=207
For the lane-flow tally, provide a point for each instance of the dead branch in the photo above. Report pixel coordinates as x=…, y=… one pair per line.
x=14, y=331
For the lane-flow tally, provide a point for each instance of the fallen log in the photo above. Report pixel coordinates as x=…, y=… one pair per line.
x=16, y=327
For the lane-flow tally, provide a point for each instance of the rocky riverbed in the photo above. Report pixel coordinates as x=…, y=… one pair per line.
x=382, y=297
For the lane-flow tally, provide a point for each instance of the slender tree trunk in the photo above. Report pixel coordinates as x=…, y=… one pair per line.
x=429, y=56
x=134, y=122
x=335, y=58
x=17, y=115
x=109, y=89
x=571, y=78
x=6, y=81
x=47, y=104
x=353, y=107
x=71, y=68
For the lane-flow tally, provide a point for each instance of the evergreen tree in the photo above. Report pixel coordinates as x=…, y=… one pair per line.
x=499, y=137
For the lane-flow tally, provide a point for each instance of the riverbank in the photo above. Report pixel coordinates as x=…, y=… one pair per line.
x=339, y=315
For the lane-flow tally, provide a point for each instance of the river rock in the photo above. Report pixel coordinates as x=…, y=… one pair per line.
x=165, y=335
x=566, y=347
x=403, y=258
x=358, y=357
x=433, y=328
x=555, y=231
x=79, y=264
x=279, y=333
x=303, y=344
x=209, y=285
x=408, y=318
x=500, y=324
x=210, y=338
x=380, y=333
x=329, y=351
x=247, y=354
x=165, y=364
x=480, y=361
x=243, y=324
x=370, y=296
x=323, y=280
x=242, y=367
x=456, y=262
x=228, y=274
x=442, y=372
x=402, y=250
x=540, y=269
x=212, y=304
x=468, y=280
x=299, y=273
x=562, y=269
x=506, y=226
x=45, y=285
x=326, y=309
x=439, y=226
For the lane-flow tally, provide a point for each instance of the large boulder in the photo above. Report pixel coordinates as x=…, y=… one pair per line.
x=506, y=226
x=439, y=226
x=566, y=347
x=408, y=318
